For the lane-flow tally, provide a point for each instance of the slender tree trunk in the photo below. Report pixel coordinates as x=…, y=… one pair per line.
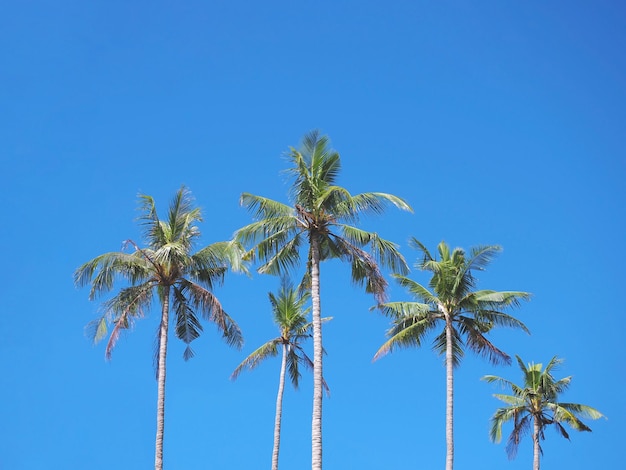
x=449, y=396
x=316, y=426
x=536, y=447
x=279, y=409
x=158, y=458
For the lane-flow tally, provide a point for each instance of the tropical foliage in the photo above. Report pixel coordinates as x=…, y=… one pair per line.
x=167, y=269
x=321, y=221
x=466, y=315
x=535, y=405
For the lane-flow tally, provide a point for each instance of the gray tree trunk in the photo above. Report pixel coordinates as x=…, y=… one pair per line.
x=449, y=396
x=279, y=409
x=316, y=425
x=158, y=458
x=536, y=446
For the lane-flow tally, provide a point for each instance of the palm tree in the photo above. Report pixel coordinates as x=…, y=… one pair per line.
x=467, y=315
x=536, y=404
x=290, y=317
x=318, y=220
x=182, y=281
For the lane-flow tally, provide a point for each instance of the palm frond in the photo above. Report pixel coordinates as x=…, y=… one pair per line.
x=474, y=330
x=406, y=331
x=256, y=357
x=211, y=309
x=265, y=209
x=188, y=327
x=417, y=290
x=102, y=271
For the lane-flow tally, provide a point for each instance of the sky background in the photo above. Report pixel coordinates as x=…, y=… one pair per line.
x=500, y=122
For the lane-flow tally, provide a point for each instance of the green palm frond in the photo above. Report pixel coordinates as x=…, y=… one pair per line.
x=475, y=330
x=263, y=208
x=426, y=256
x=440, y=345
x=306, y=361
x=103, y=270
x=406, y=330
x=256, y=357
x=417, y=290
x=400, y=310
x=203, y=301
x=481, y=256
x=188, y=327
x=279, y=258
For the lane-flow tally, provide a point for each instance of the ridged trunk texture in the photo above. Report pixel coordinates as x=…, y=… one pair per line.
x=279, y=409
x=158, y=457
x=316, y=425
x=449, y=396
x=536, y=447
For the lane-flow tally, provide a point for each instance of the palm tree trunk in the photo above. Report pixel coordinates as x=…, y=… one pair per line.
x=316, y=425
x=158, y=458
x=279, y=409
x=449, y=396
x=536, y=446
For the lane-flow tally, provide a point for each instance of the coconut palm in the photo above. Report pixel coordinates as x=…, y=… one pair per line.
x=290, y=315
x=182, y=281
x=318, y=220
x=536, y=403
x=466, y=315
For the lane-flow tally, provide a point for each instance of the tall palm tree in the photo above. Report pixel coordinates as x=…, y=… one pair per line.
x=536, y=403
x=466, y=315
x=182, y=281
x=290, y=315
x=318, y=219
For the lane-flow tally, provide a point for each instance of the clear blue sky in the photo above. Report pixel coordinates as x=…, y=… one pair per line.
x=501, y=122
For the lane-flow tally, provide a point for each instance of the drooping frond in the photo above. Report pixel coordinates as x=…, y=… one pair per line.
x=121, y=310
x=385, y=253
x=279, y=258
x=210, y=264
x=203, y=301
x=188, y=326
x=102, y=271
x=306, y=361
x=474, y=331
x=412, y=322
x=269, y=349
x=440, y=344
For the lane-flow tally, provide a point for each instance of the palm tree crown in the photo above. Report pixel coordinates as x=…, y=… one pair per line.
x=535, y=404
x=320, y=219
x=182, y=281
x=290, y=315
x=321, y=211
x=470, y=314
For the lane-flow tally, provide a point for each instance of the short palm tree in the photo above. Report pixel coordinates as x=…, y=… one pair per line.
x=536, y=403
x=290, y=315
x=182, y=281
x=319, y=219
x=466, y=315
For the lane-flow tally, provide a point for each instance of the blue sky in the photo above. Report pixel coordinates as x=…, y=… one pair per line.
x=500, y=122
